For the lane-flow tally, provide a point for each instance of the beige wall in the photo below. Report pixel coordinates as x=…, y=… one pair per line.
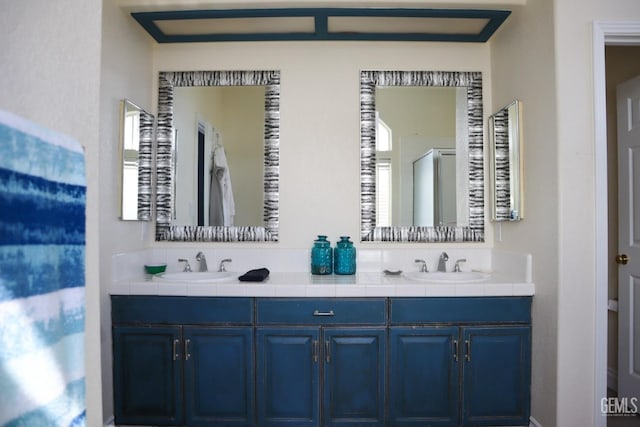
x=543, y=56
x=577, y=233
x=522, y=61
x=126, y=67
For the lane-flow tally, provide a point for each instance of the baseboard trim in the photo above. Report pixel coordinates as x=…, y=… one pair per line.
x=534, y=423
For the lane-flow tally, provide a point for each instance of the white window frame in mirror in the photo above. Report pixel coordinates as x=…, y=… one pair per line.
x=143, y=163
x=164, y=157
x=474, y=231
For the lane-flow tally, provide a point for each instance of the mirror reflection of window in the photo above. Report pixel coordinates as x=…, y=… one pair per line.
x=130, y=157
x=132, y=131
x=384, y=146
x=384, y=140
x=383, y=192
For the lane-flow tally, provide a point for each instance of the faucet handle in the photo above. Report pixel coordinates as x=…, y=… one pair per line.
x=222, y=267
x=187, y=267
x=423, y=267
x=456, y=268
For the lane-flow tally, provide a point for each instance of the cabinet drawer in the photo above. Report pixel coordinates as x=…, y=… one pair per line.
x=180, y=310
x=460, y=310
x=321, y=311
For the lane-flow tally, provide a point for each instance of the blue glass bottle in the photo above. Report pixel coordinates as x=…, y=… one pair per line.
x=321, y=256
x=344, y=256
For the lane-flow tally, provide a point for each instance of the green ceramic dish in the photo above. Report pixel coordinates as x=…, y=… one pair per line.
x=155, y=269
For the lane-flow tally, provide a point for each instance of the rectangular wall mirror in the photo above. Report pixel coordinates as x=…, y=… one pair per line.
x=218, y=156
x=136, y=139
x=421, y=156
x=505, y=139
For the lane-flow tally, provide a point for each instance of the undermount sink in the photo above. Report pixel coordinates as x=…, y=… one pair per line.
x=441, y=277
x=195, y=277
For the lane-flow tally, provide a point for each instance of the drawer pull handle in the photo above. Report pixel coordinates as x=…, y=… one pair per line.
x=315, y=351
x=467, y=344
x=176, y=356
x=187, y=355
x=323, y=313
x=455, y=350
x=327, y=351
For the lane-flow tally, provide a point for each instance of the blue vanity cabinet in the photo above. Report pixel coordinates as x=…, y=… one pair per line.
x=354, y=376
x=147, y=378
x=218, y=376
x=460, y=361
x=288, y=376
x=183, y=361
x=424, y=376
x=497, y=372
x=321, y=362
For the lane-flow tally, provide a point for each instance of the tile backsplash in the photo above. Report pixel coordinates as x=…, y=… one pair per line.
x=130, y=265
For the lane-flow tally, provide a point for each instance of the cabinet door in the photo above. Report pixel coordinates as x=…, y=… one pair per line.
x=147, y=379
x=424, y=376
x=288, y=376
x=496, y=375
x=354, y=376
x=219, y=377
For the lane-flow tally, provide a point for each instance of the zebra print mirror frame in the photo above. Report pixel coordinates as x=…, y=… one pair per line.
x=474, y=232
x=164, y=157
x=145, y=165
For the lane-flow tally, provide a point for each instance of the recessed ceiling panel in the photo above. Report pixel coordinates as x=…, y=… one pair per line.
x=457, y=25
x=399, y=25
x=265, y=25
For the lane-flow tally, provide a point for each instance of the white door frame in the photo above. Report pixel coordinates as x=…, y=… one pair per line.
x=604, y=33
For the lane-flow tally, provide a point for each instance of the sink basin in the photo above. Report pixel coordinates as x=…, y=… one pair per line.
x=195, y=277
x=440, y=277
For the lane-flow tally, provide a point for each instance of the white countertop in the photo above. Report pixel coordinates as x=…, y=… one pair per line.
x=301, y=284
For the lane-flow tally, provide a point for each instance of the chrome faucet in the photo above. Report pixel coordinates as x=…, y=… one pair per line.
x=222, y=267
x=456, y=268
x=423, y=267
x=203, y=262
x=187, y=267
x=442, y=262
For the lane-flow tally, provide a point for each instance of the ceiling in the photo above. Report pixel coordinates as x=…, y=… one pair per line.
x=179, y=25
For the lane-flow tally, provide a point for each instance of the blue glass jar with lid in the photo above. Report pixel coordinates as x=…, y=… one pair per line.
x=321, y=256
x=344, y=256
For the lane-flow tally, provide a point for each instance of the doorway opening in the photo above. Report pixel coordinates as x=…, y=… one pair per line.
x=621, y=64
x=606, y=34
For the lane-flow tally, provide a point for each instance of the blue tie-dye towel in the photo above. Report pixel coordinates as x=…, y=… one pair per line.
x=42, y=255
